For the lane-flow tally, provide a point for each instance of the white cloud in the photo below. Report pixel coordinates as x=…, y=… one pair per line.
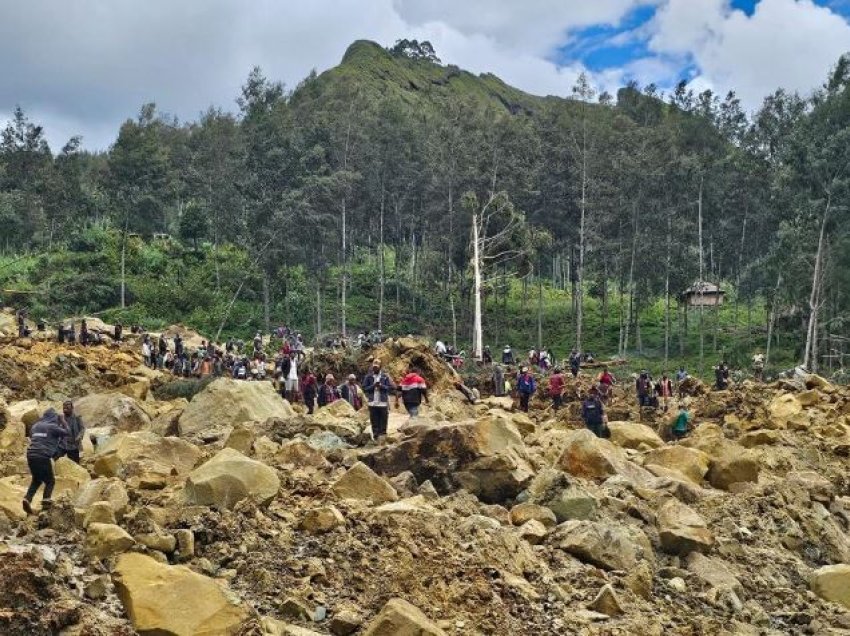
x=784, y=43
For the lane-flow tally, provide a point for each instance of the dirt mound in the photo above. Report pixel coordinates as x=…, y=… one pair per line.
x=48, y=370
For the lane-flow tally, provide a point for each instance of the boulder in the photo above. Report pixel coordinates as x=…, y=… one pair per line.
x=734, y=465
x=69, y=475
x=533, y=531
x=119, y=411
x=228, y=402
x=690, y=462
x=104, y=540
x=634, y=435
x=99, y=512
x=809, y=397
x=681, y=530
x=26, y=411
x=320, y=520
x=300, y=454
x=361, y=482
x=814, y=381
x=553, y=489
x=524, y=512
x=400, y=618
x=586, y=455
x=138, y=390
x=759, y=437
x=157, y=540
x=714, y=572
x=346, y=620
x=111, y=491
x=496, y=478
x=241, y=438
x=134, y=454
x=606, y=546
x=505, y=403
x=172, y=599
x=230, y=477
x=339, y=408
x=832, y=582
x=783, y=408
x=606, y=602
x=10, y=499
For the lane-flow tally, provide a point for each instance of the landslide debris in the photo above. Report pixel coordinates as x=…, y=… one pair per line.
x=261, y=520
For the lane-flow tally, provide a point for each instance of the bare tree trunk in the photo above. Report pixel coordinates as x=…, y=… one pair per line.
x=318, y=311
x=478, y=335
x=772, y=319
x=539, y=310
x=344, y=284
x=581, y=243
x=631, y=283
x=813, y=298
x=266, y=309
x=667, y=290
x=701, y=282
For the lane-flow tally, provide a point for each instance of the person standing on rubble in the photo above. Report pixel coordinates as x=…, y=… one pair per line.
x=413, y=390
x=45, y=437
x=498, y=380
x=351, y=393
x=70, y=445
x=593, y=414
x=526, y=386
x=556, y=389
x=377, y=386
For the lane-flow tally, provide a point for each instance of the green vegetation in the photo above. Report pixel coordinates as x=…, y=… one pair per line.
x=350, y=204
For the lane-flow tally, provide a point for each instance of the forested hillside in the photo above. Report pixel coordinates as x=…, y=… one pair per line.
x=359, y=200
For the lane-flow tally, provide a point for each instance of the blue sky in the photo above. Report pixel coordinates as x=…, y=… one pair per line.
x=615, y=47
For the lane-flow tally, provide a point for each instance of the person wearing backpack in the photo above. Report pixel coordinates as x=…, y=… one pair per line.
x=593, y=414
x=526, y=386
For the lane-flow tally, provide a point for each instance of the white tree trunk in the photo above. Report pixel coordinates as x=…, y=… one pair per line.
x=343, y=326
x=701, y=281
x=581, y=245
x=478, y=331
x=381, y=265
x=813, y=298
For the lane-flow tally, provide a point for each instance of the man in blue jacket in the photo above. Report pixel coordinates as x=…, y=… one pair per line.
x=378, y=386
x=45, y=437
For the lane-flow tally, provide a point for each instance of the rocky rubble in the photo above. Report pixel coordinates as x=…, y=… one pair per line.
x=235, y=514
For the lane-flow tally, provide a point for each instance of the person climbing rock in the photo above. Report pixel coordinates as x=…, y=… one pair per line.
x=45, y=436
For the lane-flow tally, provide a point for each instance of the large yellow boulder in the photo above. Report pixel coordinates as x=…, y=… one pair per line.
x=783, y=408
x=681, y=530
x=588, y=456
x=361, y=482
x=690, y=462
x=111, y=409
x=832, y=582
x=634, y=435
x=127, y=454
x=111, y=491
x=174, y=600
x=227, y=402
x=230, y=477
x=104, y=540
x=11, y=495
x=400, y=618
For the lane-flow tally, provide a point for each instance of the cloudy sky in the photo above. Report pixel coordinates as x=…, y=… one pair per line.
x=82, y=67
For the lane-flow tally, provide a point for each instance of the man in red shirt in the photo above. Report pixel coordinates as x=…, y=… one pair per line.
x=556, y=389
x=413, y=391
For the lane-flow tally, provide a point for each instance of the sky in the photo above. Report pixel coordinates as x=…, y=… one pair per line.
x=83, y=67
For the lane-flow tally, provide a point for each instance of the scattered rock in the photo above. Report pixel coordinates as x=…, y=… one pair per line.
x=105, y=540
x=116, y=410
x=320, y=520
x=832, y=582
x=533, y=531
x=606, y=602
x=230, y=477
x=681, y=529
x=524, y=512
x=734, y=465
x=346, y=620
x=400, y=618
x=606, y=546
x=172, y=599
x=690, y=462
x=634, y=435
x=241, y=438
x=361, y=482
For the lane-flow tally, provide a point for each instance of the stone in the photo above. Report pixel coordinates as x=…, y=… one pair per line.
x=99, y=512
x=681, y=530
x=137, y=390
x=759, y=437
x=634, y=435
x=159, y=541
x=505, y=403
x=588, y=456
x=639, y=580
x=69, y=474
x=145, y=453
x=299, y=453
x=361, y=482
x=734, y=465
x=690, y=462
x=97, y=588
x=10, y=499
x=809, y=398
x=814, y=381
x=783, y=408
x=603, y=545
x=832, y=582
x=524, y=512
x=321, y=520
x=677, y=584
x=116, y=410
x=185, y=544
x=533, y=531
x=400, y=618
x=172, y=599
x=105, y=489
x=812, y=485
x=427, y=490
x=228, y=402
x=345, y=621
x=496, y=478
x=606, y=602
x=241, y=438
x=104, y=540
x=230, y=477
x=714, y=572
x=340, y=409
x=295, y=609
x=273, y=627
